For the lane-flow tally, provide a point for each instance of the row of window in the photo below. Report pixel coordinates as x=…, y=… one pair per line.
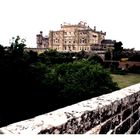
x=69, y=41
x=71, y=33
x=68, y=33
x=56, y=40
x=72, y=48
x=84, y=48
x=81, y=41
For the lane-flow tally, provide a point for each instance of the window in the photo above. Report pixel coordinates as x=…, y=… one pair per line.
x=74, y=48
x=94, y=36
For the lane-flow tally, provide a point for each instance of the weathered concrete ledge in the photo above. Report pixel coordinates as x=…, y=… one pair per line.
x=114, y=113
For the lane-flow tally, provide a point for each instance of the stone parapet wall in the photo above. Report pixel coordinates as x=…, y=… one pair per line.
x=114, y=113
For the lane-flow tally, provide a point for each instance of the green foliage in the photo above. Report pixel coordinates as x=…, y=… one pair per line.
x=95, y=59
x=108, y=55
x=117, y=50
x=17, y=46
x=79, y=81
x=41, y=83
x=52, y=57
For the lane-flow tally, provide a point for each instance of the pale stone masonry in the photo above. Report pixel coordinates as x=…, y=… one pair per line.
x=75, y=37
x=114, y=113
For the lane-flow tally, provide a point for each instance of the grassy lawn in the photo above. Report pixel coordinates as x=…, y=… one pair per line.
x=126, y=80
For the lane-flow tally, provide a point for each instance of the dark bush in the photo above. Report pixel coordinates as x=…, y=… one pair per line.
x=33, y=84
x=79, y=81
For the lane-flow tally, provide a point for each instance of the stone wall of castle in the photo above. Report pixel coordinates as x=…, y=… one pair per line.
x=75, y=38
x=41, y=41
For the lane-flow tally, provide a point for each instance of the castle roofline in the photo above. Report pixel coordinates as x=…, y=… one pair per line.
x=81, y=24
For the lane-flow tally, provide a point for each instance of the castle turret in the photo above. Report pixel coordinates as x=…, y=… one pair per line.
x=42, y=42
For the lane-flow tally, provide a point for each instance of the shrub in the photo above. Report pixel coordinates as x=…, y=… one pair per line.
x=79, y=81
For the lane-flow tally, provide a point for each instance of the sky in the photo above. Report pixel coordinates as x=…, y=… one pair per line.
x=120, y=19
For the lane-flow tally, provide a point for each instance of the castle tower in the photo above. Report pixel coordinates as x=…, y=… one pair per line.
x=42, y=42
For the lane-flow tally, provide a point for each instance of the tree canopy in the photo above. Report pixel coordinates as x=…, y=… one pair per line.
x=32, y=84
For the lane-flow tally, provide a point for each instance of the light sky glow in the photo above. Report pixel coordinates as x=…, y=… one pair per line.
x=118, y=18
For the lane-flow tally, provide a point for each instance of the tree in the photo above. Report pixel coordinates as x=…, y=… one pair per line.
x=107, y=55
x=37, y=86
x=17, y=44
x=82, y=54
x=95, y=59
x=73, y=82
x=117, y=50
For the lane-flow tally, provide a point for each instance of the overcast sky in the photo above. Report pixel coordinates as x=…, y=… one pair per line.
x=120, y=19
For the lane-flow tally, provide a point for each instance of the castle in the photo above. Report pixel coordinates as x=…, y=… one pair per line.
x=42, y=42
x=74, y=38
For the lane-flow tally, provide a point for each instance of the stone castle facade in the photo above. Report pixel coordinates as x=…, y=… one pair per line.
x=42, y=42
x=72, y=38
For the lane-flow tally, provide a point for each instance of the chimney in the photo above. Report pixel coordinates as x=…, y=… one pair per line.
x=94, y=28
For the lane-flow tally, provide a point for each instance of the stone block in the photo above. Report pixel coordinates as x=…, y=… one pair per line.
x=116, y=107
x=134, y=117
x=126, y=113
x=136, y=106
x=135, y=128
x=123, y=128
x=116, y=120
x=105, y=127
